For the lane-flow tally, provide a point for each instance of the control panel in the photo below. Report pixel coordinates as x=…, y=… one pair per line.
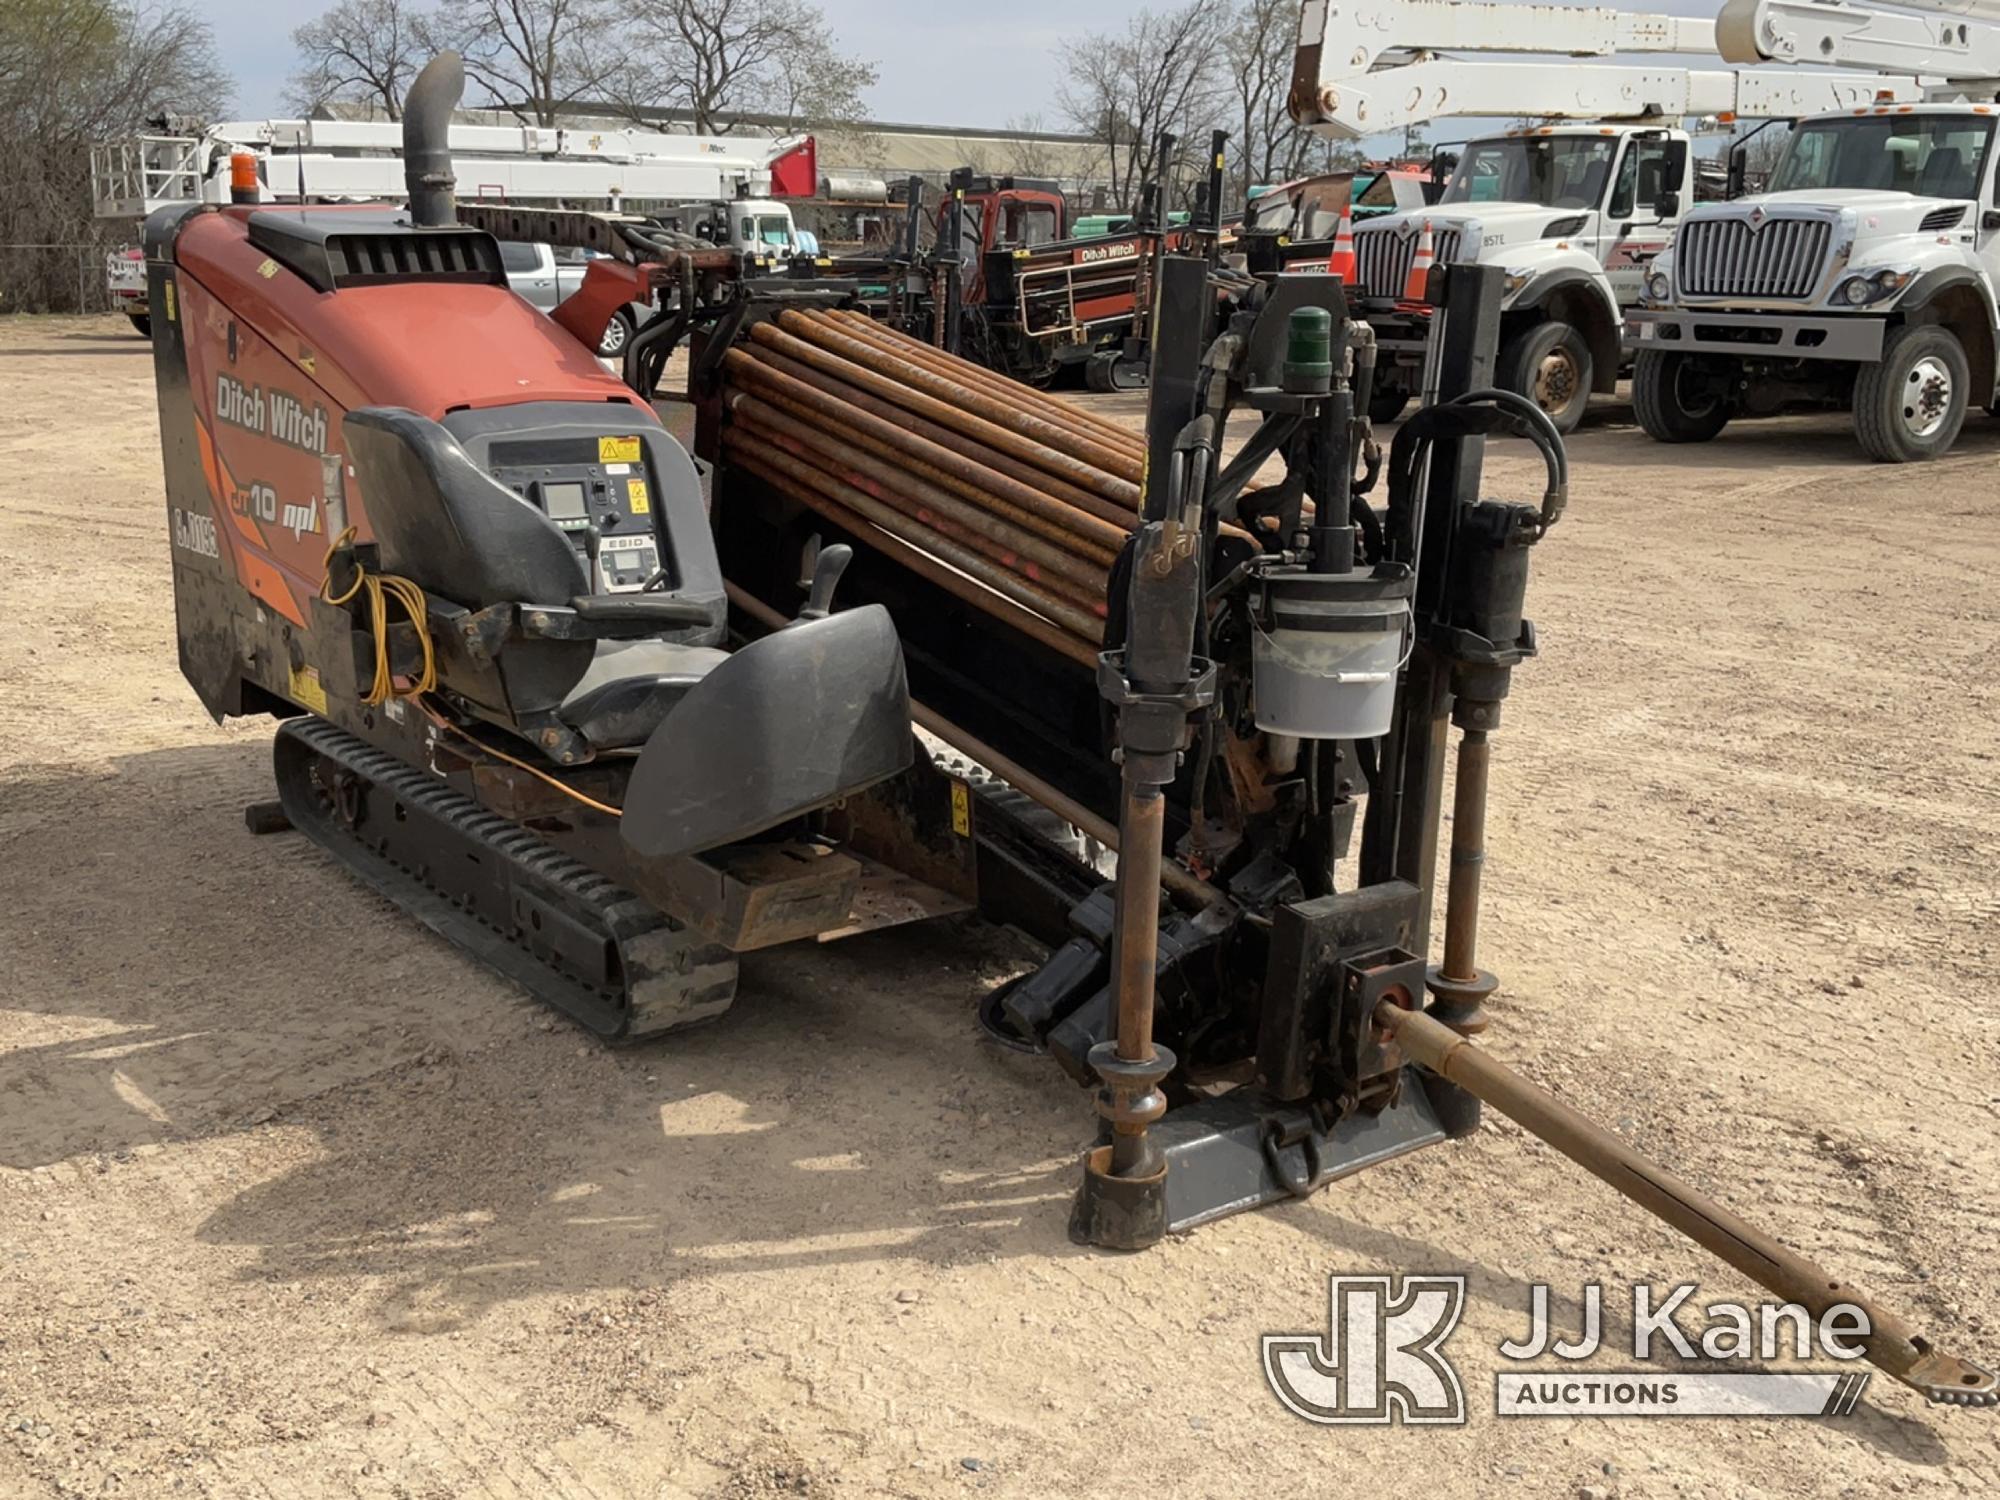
x=597, y=490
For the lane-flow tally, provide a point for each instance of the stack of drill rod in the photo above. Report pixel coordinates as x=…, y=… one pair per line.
x=1004, y=496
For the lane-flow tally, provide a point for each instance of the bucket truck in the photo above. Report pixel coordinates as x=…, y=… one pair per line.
x=1574, y=210
x=1865, y=276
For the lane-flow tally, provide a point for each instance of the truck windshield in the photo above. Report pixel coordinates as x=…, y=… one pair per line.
x=1939, y=156
x=1556, y=171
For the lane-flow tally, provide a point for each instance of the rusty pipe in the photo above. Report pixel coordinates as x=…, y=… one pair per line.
x=885, y=517
x=911, y=442
x=831, y=376
x=1001, y=608
x=1175, y=878
x=1008, y=410
x=1086, y=533
x=1089, y=423
x=1891, y=1345
x=895, y=512
x=898, y=449
x=1468, y=855
x=1142, y=826
x=1002, y=385
x=923, y=551
x=1028, y=554
x=952, y=405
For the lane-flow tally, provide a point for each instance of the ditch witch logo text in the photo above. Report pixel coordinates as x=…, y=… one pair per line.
x=1381, y=1358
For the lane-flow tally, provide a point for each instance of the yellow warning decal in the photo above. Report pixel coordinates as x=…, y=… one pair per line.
x=618, y=450
x=642, y=502
x=961, y=810
x=170, y=299
x=306, y=690
x=268, y=269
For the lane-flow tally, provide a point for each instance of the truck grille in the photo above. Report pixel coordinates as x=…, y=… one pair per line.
x=1383, y=258
x=1729, y=258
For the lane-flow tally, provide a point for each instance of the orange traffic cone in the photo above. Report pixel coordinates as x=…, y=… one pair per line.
x=1341, y=262
x=1416, y=286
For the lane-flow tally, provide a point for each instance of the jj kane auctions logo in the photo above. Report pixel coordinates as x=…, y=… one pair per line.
x=1381, y=1358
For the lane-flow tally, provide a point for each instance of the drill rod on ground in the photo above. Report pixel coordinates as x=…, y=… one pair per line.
x=1891, y=1345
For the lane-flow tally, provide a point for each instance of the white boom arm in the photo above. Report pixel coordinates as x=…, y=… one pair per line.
x=362, y=159
x=1963, y=48
x=1366, y=66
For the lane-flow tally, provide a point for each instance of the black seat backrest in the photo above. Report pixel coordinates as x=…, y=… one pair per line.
x=447, y=525
x=453, y=530
x=1942, y=172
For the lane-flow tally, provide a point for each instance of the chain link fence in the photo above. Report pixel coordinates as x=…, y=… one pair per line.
x=61, y=276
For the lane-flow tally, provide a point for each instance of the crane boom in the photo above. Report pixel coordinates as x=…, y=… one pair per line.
x=1376, y=65
x=1964, y=51
x=361, y=159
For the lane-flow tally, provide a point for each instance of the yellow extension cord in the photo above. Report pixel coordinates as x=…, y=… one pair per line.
x=380, y=588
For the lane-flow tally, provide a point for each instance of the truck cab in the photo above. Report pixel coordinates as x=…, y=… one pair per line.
x=1004, y=214
x=762, y=228
x=1573, y=215
x=1863, y=277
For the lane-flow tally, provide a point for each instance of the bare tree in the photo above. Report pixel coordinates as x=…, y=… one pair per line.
x=1027, y=156
x=817, y=88
x=1762, y=149
x=1257, y=48
x=712, y=59
x=1160, y=74
x=532, y=57
x=367, y=50
x=74, y=72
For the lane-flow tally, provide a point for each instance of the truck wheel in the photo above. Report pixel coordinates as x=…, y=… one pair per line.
x=1910, y=405
x=1550, y=365
x=616, y=333
x=143, y=322
x=1669, y=402
x=1386, y=403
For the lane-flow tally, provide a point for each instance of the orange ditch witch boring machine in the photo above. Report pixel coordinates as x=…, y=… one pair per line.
x=608, y=713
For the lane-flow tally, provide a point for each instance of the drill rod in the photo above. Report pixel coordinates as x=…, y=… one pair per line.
x=1468, y=856
x=1891, y=1345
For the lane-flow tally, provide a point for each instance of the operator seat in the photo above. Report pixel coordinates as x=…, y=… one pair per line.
x=459, y=534
x=1591, y=193
x=1942, y=175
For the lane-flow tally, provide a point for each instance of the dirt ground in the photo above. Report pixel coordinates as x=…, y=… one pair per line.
x=296, y=1201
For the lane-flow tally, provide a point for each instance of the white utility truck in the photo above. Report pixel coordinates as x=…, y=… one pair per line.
x=1865, y=275
x=1574, y=213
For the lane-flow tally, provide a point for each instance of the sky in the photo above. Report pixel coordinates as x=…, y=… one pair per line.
x=943, y=62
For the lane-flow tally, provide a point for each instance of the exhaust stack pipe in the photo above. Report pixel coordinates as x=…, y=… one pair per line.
x=427, y=141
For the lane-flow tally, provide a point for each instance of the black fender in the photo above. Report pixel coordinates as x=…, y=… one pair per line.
x=1576, y=299
x=792, y=722
x=1954, y=298
x=1935, y=282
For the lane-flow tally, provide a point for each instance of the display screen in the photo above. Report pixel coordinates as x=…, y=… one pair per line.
x=563, y=502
